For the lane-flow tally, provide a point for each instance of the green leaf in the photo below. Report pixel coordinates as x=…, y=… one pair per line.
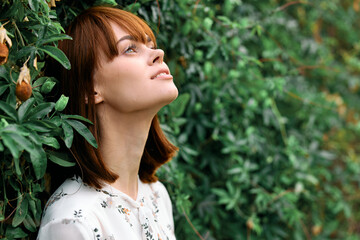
x=37, y=126
x=56, y=120
x=34, y=5
x=212, y=51
x=61, y=103
x=14, y=148
x=32, y=204
x=3, y=123
x=178, y=105
x=3, y=88
x=41, y=110
x=17, y=167
x=53, y=38
x=9, y=110
x=21, y=211
x=35, y=138
x=15, y=128
x=22, y=141
x=25, y=51
x=61, y=159
x=50, y=141
x=37, y=95
x=4, y=74
x=57, y=54
x=83, y=131
x=41, y=125
x=25, y=108
x=11, y=98
x=29, y=223
x=106, y=2
x=48, y=86
x=68, y=134
x=208, y=22
x=78, y=117
x=14, y=233
x=39, y=161
x=39, y=208
x=40, y=81
x=134, y=7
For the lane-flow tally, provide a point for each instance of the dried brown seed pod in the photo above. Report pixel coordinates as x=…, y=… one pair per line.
x=23, y=87
x=250, y=224
x=35, y=63
x=4, y=37
x=51, y=3
x=316, y=230
x=4, y=53
x=23, y=91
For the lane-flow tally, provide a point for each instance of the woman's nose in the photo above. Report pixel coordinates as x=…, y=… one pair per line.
x=157, y=56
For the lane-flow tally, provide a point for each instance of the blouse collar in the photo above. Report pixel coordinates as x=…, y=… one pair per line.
x=117, y=193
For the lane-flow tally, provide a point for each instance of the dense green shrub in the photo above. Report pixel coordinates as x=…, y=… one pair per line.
x=267, y=121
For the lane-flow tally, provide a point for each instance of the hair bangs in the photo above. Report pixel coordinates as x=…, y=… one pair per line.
x=136, y=28
x=130, y=23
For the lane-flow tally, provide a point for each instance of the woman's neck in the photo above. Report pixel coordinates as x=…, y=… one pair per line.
x=122, y=142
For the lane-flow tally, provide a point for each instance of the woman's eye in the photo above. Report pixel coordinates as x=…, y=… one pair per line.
x=131, y=49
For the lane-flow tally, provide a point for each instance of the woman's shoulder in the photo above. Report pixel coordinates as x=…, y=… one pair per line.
x=72, y=200
x=158, y=186
x=71, y=209
x=158, y=193
x=158, y=189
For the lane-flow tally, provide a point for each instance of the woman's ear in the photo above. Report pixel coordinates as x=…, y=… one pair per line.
x=97, y=98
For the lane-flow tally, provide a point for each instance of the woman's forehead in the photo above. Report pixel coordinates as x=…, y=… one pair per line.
x=121, y=33
x=118, y=30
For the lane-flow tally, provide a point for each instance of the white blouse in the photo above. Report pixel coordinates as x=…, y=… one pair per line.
x=80, y=212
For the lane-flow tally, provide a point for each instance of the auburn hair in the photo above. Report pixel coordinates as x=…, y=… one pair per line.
x=92, y=34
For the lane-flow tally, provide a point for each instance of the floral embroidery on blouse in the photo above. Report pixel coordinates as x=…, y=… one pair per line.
x=148, y=217
x=77, y=214
x=98, y=236
x=54, y=198
x=148, y=230
x=126, y=212
x=154, y=202
x=104, y=204
x=102, y=191
x=142, y=201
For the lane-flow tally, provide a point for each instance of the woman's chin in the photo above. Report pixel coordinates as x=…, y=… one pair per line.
x=173, y=95
x=167, y=99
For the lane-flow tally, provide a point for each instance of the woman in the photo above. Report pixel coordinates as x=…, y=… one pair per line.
x=119, y=81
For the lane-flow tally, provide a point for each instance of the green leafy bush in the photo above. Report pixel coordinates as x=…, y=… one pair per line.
x=31, y=131
x=267, y=121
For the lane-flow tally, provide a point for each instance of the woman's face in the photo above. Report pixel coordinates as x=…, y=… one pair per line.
x=135, y=80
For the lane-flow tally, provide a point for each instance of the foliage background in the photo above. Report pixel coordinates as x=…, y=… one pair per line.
x=267, y=121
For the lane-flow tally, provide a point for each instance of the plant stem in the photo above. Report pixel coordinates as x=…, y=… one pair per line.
x=280, y=121
x=191, y=225
x=18, y=31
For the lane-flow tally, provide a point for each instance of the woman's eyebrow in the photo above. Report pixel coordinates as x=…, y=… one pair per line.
x=126, y=37
x=131, y=38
